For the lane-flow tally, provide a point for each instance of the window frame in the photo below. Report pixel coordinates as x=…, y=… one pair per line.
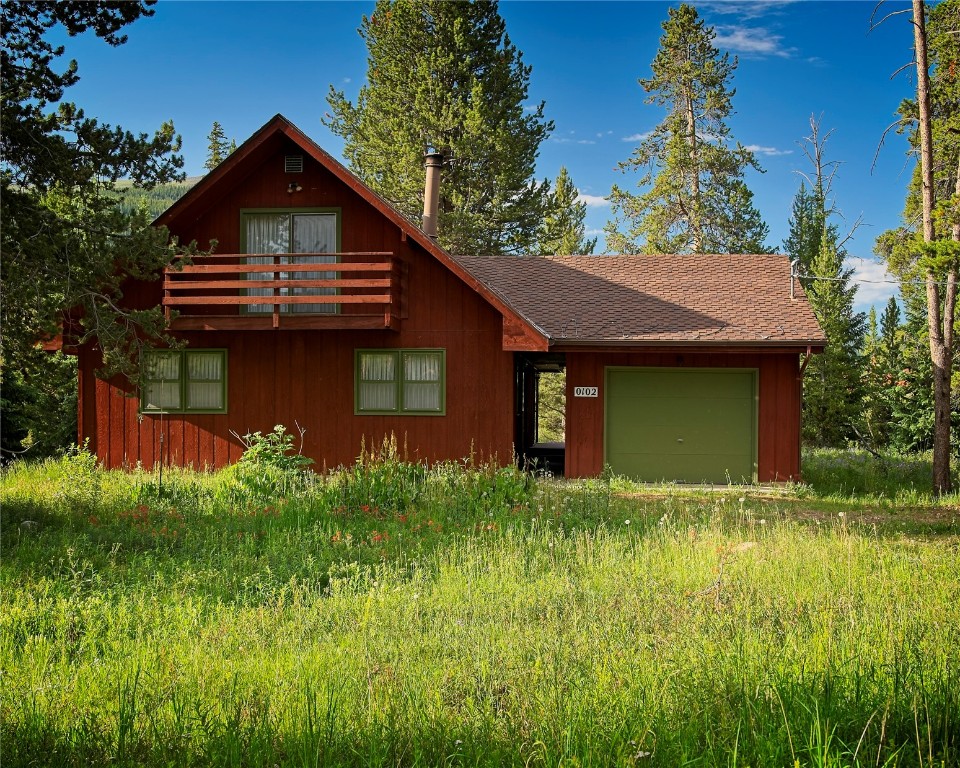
x=398, y=354
x=183, y=381
x=335, y=210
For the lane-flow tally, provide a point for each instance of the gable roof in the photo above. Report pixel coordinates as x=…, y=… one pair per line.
x=518, y=333
x=696, y=300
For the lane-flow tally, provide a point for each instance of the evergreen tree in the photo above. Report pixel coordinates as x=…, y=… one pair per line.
x=807, y=226
x=233, y=147
x=562, y=230
x=445, y=76
x=832, y=392
x=831, y=384
x=912, y=402
x=883, y=383
x=697, y=200
x=217, y=147
x=927, y=246
x=65, y=243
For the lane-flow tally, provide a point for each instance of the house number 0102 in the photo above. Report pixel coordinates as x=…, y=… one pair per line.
x=585, y=392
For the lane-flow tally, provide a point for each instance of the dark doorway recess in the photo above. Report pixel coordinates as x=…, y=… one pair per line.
x=533, y=452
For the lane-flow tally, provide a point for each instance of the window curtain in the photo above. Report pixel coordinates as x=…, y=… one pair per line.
x=205, y=380
x=421, y=381
x=378, y=382
x=265, y=233
x=162, y=381
x=306, y=233
x=314, y=233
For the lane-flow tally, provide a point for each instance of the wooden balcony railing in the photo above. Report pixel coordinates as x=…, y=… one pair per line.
x=254, y=291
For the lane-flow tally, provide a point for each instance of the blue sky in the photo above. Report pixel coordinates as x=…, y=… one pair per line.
x=242, y=62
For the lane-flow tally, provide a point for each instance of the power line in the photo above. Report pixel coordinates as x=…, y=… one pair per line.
x=853, y=279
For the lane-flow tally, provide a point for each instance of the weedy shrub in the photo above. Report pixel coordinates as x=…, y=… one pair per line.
x=80, y=478
x=268, y=468
x=382, y=479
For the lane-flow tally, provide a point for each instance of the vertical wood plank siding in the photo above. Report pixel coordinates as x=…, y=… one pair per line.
x=283, y=377
x=778, y=439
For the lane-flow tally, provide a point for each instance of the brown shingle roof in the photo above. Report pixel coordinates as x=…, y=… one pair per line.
x=660, y=299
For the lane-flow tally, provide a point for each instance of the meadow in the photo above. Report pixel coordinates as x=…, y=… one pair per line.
x=395, y=614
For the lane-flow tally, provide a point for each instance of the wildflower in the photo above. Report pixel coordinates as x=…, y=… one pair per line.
x=94, y=520
x=627, y=521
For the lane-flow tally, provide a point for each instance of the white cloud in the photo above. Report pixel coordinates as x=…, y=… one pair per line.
x=637, y=136
x=601, y=134
x=752, y=41
x=767, y=151
x=567, y=140
x=592, y=232
x=750, y=9
x=592, y=201
x=875, y=285
x=348, y=79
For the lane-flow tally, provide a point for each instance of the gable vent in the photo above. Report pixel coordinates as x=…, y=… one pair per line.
x=293, y=164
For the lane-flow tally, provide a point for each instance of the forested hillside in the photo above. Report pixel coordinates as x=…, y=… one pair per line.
x=155, y=201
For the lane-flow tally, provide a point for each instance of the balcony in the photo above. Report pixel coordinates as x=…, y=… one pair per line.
x=276, y=291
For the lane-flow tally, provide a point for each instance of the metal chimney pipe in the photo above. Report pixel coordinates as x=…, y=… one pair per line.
x=432, y=162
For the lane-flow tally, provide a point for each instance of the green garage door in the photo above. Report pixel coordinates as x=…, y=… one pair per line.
x=685, y=424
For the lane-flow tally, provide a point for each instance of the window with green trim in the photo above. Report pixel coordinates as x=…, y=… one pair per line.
x=184, y=381
x=404, y=381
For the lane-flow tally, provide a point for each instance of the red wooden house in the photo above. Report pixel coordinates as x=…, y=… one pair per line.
x=324, y=306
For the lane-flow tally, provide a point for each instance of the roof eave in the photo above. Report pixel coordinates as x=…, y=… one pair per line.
x=815, y=345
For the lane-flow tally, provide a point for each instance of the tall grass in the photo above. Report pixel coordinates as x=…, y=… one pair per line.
x=905, y=479
x=395, y=614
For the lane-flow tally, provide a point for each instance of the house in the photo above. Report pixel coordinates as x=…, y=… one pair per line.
x=324, y=307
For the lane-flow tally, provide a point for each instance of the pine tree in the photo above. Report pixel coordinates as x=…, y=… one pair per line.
x=562, y=231
x=65, y=244
x=217, y=146
x=445, y=76
x=697, y=200
x=883, y=383
x=912, y=425
x=807, y=226
x=927, y=246
x=833, y=386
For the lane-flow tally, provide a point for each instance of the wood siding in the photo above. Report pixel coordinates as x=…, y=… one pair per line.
x=778, y=438
x=307, y=376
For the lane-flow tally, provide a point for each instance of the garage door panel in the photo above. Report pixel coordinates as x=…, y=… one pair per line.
x=667, y=438
x=684, y=384
x=695, y=468
x=667, y=411
x=691, y=425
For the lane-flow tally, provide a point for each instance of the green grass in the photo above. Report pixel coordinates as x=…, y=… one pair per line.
x=858, y=475
x=398, y=615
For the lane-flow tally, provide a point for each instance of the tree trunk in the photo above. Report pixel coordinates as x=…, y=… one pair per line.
x=940, y=351
x=695, y=228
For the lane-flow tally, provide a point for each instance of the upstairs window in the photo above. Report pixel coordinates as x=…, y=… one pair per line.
x=184, y=381
x=402, y=381
x=303, y=237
